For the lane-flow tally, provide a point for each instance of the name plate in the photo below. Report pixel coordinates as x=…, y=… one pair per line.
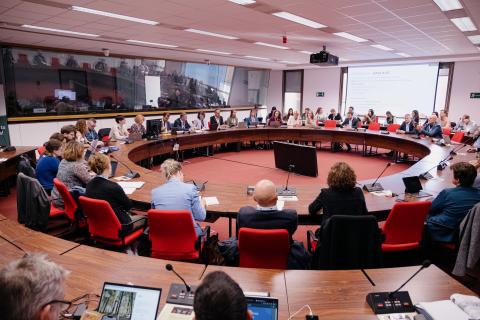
x=39, y=110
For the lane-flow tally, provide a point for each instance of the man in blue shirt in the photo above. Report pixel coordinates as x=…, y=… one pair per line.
x=452, y=204
x=177, y=195
x=91, y=133
x=431, y=128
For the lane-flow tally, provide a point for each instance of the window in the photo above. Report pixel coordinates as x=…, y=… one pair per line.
x=292, y=90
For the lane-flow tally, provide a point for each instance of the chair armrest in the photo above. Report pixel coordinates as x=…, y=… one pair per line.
x=122, y=235
x=310, y=237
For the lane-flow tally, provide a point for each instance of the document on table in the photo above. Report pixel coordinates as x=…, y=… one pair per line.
x=288, y=198
x=210, y=201
x=129, y=190
x=133, y=184
x=442, y=310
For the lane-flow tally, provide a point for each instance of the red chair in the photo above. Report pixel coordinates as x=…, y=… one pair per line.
x=404, y=226
x=393, y=127
x=69, y=204
x=261, y=248
x=103, y=223
x=41, y=150
x=173, y=236
x=446, y=131
x=458, y=136
x=330, y=124
x=374, y=126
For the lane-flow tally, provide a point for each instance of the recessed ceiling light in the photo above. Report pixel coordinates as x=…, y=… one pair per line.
x=406, y=55
x=271, y=45
x=474, y=39
x=379, y=46
x=306, y=52
x=212, y=51
x=212, y=34
x=464, y=24
x=243, y=2
x=60, y=30
x=113, y=15
x=153, y=43
x=255, y=57
x=350, y=36
x=288, y=62
x=298, y=19
x=447, y=5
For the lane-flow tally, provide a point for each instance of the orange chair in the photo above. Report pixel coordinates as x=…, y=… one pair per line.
x=446, y=131
x=404, y=226
x=393, y=127
x=103, y=223
x=330, y=124
x=70, y=205
x=458, y=136
x=374, y=126
x=173, y=236
x=261, y=248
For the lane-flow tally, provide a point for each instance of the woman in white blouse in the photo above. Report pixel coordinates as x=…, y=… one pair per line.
x=294, y=120
x=119, y=132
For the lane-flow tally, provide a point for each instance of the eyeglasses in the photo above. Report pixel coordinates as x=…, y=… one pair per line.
x=67, y=308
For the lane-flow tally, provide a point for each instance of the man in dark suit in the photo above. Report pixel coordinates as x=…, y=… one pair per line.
x=216, y=120
x=267, y=215
x=350, y=122
x=334, y=115
x=182, y=123
x=407, y=126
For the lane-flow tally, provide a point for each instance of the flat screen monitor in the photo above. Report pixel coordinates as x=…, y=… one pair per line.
x=122, y=301
x=302, y=158
x=263, y=308
x=60, y=94
x=154, y=127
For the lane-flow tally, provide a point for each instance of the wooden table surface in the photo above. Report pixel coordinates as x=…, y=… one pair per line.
x=331, y=294
x=232, y=196
x=8, y=167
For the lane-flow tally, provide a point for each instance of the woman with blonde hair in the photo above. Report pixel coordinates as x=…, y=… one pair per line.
x=342, y=197
x=137, y=126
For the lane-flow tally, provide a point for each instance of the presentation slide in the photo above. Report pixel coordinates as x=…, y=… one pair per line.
x=398, y=89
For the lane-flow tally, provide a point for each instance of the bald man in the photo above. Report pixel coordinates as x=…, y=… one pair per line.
x=266, y=215
x=431, y=128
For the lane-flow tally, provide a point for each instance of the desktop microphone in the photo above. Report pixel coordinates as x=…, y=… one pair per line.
x=441, y=165
x=395, y=301
x=169, y=267
x=287, y=191
x=130, y=174
x=453, y=152
x=376, y=186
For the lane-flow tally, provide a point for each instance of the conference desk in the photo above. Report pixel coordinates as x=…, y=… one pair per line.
x=8, y=167
x=333, y=295
x=232, y=196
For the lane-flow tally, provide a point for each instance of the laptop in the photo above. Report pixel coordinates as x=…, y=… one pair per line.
x=135, y=136
x=122, y=301
x=413, y=186
x=263, y=308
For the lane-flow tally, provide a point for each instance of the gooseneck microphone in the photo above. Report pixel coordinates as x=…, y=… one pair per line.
x=130, y=174
x=442, y=164
x=395, y=301
x=287, y=191
x=376, y=186
x=169, y=267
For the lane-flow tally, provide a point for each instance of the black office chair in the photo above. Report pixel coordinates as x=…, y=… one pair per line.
x=104, y=132
x=348, y=242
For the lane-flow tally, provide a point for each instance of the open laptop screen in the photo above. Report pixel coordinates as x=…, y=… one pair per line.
x=263, y=308
x=129, y=302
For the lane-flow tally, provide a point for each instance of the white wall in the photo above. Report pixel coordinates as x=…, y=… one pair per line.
x=466, y=79
x=36, y=133
x=314, y=80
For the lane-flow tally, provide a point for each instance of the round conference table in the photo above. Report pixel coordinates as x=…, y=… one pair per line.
x=232, y=196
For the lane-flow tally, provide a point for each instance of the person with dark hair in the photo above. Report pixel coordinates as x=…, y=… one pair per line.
x=342, y=197
x=182, y=123
x=415, y=117
x=390, y=118
x=166, y=124
x=370, y=117
x=220, y=297
x=58, y=136
x=91, y=132
x=288, y=115
x=68, y=132
x=452, y=204
x=216, y=120
x=47, y=166
x=200, y=123
x=350, y=122
x=334, y=115
x=119, y=132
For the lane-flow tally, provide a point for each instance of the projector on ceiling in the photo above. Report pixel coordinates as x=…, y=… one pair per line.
x=324, y=58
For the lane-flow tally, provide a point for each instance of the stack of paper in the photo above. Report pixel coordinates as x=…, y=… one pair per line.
x=130, y=187
x=210, y=201
x=442, y=310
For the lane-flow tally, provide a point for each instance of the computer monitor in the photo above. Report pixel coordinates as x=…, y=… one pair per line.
x=303, y=158
x=122, y=301
x=263, y=308
x=154, y=127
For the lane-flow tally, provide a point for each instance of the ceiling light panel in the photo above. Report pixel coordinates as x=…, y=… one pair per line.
x=255, y=57
x=294, y=18
x=243, y=2
x=381, y=47
x=212, y=34
x=464, y=24
x=447, y=5
x=474, y=39
x=60, y=31
x=271, y=45
x=212, y=51
x=406, y=55
x=113, y=15
x=152, y=43
x=350, y=36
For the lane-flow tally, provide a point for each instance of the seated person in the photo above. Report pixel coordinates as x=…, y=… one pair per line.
x=342, y=197
x=81, y=130
x=252, y=120
x=47, y=165
x=431, y=128
x=232, y=120
x=68, y=132
x=178, y=195
x=32, y=287
x=200, y=123
x=370, y=117
x=220, y=297
x=72, y=170
x=166, y=125
x=275, y=120
x=310, y=119
x=119, y=132
x=216, y=120
x=91, y=132
x=444, y=122
x=466, y=125
x=266, y=215
x=350, y=122
x=407, y=126
x=182, y=123
x=390, y=118
x=334, y=115
x=294, y=120
x=452, y=204
x=137, y=126
x=103, y=189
